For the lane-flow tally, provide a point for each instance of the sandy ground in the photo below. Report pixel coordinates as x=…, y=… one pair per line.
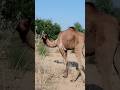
x=53, y=70
x=49, y=74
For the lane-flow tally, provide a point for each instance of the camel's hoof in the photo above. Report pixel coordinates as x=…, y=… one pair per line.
x=65, y=76
x=72, y=80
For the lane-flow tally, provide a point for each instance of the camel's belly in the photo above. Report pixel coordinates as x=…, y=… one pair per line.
x=69, y=45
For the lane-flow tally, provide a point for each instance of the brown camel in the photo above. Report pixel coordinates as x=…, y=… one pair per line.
x=68, y=39
x=26, y=35
x=102, y=37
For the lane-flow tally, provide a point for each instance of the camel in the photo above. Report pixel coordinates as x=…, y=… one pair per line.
x=69, y=39
x=102, y=38
x=26, y=35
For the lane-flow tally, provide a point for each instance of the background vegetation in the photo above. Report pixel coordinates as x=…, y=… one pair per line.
x=107, y=6
x=17, y=55
x=10, y=9
x=52, y=29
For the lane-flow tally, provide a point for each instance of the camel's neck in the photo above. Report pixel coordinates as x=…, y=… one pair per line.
x=50, y=43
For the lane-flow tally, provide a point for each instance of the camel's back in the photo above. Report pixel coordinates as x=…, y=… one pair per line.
x=70, y=38
x=68, y=34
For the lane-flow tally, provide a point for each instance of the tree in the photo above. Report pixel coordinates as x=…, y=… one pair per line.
x=11, y=8
x=107, y=6
x=104, y=5
x=50, y=28
x=78, y=27
x=12, y=11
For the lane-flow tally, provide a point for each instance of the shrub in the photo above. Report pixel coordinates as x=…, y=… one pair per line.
x=42, y=50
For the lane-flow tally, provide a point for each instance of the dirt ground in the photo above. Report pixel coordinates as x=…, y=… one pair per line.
x=49, y=74
x=51, y=78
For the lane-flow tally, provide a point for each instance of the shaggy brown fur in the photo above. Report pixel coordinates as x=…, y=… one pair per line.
x=26, y=35
x=68, y=39
x=102, y=38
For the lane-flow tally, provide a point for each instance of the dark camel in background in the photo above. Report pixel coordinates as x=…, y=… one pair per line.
x=67, y=40
x=102, y=37
x=24, y=27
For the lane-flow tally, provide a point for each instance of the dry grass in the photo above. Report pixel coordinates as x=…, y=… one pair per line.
x=43, y=75
x=45, y=80
x=49, y=74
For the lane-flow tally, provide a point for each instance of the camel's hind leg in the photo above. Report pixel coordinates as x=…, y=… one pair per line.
x=81, y=61
x=64, y=54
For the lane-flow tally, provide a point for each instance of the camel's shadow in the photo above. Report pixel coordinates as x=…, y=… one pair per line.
x=73, y=64
x=58, y=62
x=70, y=64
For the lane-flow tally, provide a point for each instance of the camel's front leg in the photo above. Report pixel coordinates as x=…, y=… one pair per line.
x=64, y=54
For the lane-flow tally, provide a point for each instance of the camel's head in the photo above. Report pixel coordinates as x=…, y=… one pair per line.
x=44, y=35
x=23, y=27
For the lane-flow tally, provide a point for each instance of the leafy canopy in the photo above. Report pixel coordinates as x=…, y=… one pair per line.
x=50, y=28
